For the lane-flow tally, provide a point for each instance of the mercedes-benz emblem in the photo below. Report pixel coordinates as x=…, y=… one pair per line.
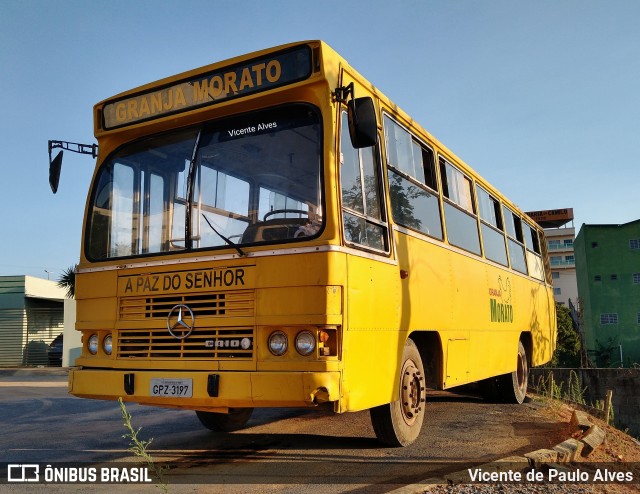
x=180, y=318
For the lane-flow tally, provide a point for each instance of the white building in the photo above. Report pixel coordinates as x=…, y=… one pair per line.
x=33, y=312
x=563, y=264
x=560, y=238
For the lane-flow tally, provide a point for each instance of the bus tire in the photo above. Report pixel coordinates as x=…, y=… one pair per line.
x=399, y=423
x=235, y=420
x=513, y=386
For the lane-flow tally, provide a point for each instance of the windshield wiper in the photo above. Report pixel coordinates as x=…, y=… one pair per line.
x=229, y=242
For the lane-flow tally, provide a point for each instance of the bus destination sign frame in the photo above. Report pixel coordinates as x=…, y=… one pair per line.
x=234, y=81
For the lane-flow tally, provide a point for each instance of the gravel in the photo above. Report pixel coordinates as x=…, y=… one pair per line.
x=511, y=488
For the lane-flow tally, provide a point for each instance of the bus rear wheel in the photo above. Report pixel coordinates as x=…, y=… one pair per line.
x=513, y=386
x=235, y=420
x=399, y=423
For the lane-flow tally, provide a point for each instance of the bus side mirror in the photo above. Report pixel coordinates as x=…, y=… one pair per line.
x=55, y=165
x=363, y=127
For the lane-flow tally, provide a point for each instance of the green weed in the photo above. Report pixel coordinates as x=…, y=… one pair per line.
x=139, y=447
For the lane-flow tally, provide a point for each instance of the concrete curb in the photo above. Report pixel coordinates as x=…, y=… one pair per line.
x=565, y=452
x=33, y=371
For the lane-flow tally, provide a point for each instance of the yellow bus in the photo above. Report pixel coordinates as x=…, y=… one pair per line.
x=272, y=231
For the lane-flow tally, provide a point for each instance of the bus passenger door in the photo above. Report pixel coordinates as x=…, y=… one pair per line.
x=372, y=338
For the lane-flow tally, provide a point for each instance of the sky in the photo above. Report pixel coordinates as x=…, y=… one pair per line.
x=540, y=98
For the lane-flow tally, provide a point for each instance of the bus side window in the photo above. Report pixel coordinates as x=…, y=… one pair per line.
x=459, y=213
x=413, y=185
x=362, y=213
x=491, y=226
x=513, y=225
x=534, y=257
x=533, y=241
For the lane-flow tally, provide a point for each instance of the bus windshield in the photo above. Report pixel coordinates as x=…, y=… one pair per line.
x=243, y=180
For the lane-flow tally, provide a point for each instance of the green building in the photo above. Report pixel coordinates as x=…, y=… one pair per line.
x=608, y=270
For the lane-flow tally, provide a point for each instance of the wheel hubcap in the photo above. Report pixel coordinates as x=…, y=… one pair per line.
x=412, y=392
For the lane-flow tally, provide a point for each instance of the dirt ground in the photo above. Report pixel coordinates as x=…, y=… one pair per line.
x=619, y=452
x=618, y=446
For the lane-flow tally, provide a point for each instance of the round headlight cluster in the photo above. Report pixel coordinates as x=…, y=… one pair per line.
x=278, y=343
x=305, y=343
x=94, y=343
x=107, y=345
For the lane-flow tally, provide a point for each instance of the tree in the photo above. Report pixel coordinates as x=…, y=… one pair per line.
x=567, y=352
x=68, y=281
x=604, y=353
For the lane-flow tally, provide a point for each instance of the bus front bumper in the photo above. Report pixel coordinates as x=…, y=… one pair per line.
x=210, y=391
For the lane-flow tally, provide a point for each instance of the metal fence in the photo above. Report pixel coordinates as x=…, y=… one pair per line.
x=26, y=336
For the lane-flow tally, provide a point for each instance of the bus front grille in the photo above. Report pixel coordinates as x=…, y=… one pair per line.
x=201, y=344
x=238, y=303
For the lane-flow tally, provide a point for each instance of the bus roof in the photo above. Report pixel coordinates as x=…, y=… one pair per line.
x=139, y=104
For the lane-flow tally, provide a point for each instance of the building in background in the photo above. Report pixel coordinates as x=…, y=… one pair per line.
x=33, y=315
x=560, y=238
x=608, y=268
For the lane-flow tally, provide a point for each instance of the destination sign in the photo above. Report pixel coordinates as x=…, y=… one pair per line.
x=186, y=281
x=214, y=87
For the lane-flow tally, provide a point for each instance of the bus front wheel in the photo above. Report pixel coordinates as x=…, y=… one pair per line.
x=235, y=420
x=399, y=423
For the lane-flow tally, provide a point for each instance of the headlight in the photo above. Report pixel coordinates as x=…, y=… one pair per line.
x=278, y=343
x=107, y=345
x=92, y=344
x=305, y=343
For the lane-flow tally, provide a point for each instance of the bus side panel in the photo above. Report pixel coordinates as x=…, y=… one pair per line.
x=480, y=310
x=428, y=301
x=373, y=342
x=511, y=305
x=499, y=323
x=543, y=325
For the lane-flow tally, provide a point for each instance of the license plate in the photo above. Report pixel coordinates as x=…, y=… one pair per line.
x=180, y=388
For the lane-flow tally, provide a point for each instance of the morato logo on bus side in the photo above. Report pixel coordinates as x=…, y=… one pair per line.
x=500, y=301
